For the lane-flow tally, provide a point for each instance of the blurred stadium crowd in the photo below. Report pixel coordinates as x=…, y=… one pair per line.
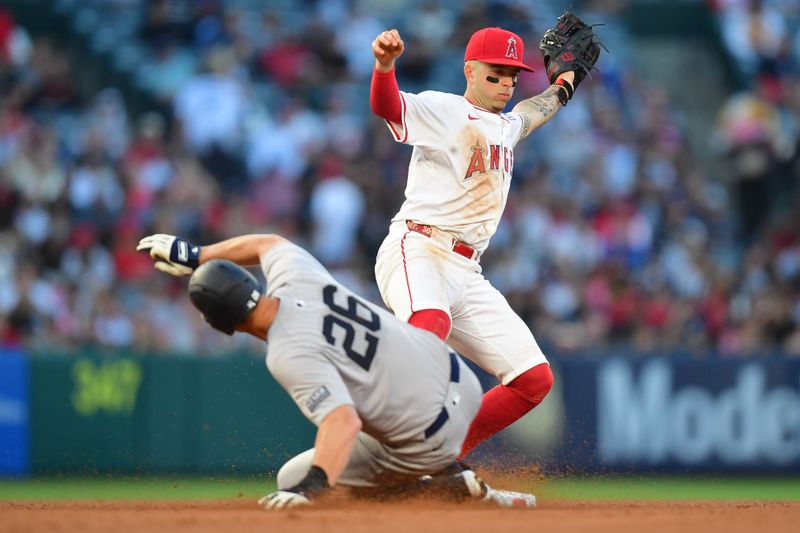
x=614, y=236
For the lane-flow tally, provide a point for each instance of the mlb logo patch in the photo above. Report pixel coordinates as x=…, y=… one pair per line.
x=317, y=397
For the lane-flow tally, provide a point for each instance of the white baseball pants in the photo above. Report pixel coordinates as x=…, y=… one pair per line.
x=416, y=272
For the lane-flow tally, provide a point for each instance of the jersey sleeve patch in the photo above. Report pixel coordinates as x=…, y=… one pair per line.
x=317, y=397
x=313, y=382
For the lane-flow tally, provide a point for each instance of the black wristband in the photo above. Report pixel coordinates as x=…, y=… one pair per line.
x=185, y=253
x=314, y=484
x=565, y=90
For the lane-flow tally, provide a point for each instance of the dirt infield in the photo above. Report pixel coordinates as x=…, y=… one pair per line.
x=242, y=516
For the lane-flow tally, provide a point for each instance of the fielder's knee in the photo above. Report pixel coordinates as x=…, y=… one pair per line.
x=434, y=320
x=533, y=384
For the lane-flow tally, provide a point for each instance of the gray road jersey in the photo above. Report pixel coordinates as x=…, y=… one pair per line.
x=328, y=347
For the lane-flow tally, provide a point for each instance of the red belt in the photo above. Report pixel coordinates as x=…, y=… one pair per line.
x=461, y=248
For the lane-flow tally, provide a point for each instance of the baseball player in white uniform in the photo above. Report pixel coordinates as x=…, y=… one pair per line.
x=428, y=267
x=392, y=402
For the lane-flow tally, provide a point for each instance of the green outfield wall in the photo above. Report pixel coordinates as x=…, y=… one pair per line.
x=159, y=414
x=87, y=413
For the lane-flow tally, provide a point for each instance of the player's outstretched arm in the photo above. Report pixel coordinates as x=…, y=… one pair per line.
x=539, y=109
x=179, y=257
x=570, y=50
x=245, y=250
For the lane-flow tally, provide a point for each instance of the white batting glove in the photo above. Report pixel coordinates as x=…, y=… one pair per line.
x=172, y=255
x=283, y=499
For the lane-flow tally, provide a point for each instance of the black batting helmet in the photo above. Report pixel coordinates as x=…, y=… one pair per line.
x=224, y=293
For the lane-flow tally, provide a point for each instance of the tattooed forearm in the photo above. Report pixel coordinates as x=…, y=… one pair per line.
x=537, y=110
x=526, y=125
x=546, y=103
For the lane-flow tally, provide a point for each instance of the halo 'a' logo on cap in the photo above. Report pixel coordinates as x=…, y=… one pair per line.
x=511, y=51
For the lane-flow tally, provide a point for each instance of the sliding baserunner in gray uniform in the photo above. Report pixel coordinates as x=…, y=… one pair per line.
x=392, y=403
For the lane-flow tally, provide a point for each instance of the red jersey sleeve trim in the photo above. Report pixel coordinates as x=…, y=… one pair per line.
x=397, y=135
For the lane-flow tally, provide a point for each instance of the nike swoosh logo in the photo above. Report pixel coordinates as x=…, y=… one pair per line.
x=473, y=118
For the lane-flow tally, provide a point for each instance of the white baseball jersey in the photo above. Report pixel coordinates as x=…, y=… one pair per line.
x=327, y=348
x=460, y=170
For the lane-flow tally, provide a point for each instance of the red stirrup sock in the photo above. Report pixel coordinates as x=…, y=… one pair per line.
x=433, y=320
x=505, y=404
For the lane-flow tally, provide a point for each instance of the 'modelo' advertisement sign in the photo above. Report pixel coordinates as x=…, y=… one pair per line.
x=714, y=414
x=652, y=418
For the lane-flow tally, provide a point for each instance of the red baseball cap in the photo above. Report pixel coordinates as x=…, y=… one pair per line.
x=497, y=47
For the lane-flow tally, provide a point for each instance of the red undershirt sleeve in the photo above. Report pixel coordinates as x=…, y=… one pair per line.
x=384, y=96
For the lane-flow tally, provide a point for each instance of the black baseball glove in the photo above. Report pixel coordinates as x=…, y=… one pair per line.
x=570, y=45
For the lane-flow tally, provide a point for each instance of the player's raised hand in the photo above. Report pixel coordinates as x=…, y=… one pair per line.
x=386, y=48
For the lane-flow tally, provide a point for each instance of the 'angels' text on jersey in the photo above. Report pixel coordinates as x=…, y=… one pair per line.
x=460, y=170
x=477, y=163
